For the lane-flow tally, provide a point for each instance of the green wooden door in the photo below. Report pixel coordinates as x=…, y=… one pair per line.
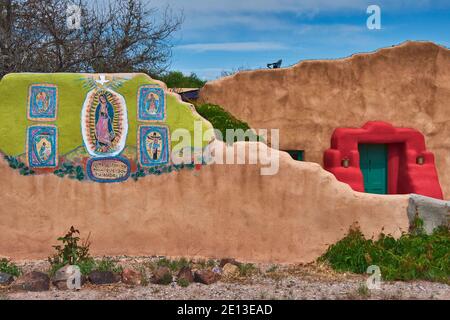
x=373, y=162
x=296, y=154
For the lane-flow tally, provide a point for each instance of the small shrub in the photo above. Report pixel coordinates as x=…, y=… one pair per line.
x=201, y=264
x=144, y=278
x=107, y=264
x=6, y=266
x=417, y=227
x=166, y=279
x=272, y=269
x=211, y=263
x=412, y=256
x=176, y=79
x=173, y=265
x=86, y=266
x=246, y=269
x=205, y=264
x=72, y=252
x=183, y=282
x=223, y=120
x=363, y=290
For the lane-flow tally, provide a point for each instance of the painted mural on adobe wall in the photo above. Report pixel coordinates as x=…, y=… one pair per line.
x=101, y=128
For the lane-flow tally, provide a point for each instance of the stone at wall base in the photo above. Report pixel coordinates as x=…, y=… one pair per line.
x=186, y=274
x=432, y=212
x=34, y=281
x=224, y=261
x=103, y=277
x=162, y=275
x=131, y=277
x=230, y=271
x=206, y=277
x=5, y=279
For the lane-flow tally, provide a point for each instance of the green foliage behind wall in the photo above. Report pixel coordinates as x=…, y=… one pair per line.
x=176, y=79
x=222, y=119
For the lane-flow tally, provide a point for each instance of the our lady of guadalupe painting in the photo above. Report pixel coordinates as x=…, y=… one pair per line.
x=104, y=131
x=154, y=148
x=42, y=102
x=42, y=146
x=151, y=103
x=104, y=123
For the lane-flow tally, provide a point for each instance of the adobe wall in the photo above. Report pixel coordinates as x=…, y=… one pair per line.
x=218, y=211
x=407, y=86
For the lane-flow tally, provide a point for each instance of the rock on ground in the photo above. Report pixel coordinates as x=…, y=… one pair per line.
x=5, y=279
x=131, y=277
x=33, y=281
x=162, y=275
x=206, y=277
x=59, y=280
x=230, y=271
x=186, y=274
x=103, y=277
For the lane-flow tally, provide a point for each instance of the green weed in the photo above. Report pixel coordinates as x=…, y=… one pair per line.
x=412, y=256
x=173, y=265
x=6, y=266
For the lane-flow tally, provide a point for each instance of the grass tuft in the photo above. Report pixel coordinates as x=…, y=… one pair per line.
x=246, y=269
x=174, y=265
x=6, y=266
x=183, y=282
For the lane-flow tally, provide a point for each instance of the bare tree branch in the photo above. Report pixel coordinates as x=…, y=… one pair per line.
x=125, y=36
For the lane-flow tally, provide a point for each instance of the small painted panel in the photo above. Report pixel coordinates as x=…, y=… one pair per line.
x=154, y=147
x=112, y=169
x=151, y=103
x=42, y=146
x=42, y=102
x=104, y=123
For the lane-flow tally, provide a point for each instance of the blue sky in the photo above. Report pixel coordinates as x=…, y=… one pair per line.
x=232, y=34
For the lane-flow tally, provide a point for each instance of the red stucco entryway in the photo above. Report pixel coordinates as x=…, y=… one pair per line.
x=410, y=167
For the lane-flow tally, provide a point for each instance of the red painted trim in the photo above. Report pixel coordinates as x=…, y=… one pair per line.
x=404, y=146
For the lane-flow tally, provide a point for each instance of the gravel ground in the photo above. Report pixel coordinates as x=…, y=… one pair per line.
x=281, y=282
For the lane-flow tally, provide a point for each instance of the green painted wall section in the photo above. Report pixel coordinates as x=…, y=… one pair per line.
x=14, y=99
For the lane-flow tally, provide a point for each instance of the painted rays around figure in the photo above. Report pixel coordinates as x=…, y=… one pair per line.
x=42, y=146
x=42, y=102
x=104, y=123
x=151, y=103
x=153, y=145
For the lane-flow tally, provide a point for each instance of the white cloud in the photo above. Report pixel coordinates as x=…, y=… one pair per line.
x=232, y=46
x=335, y=29
x=255, y=22
x=266, y=15
x=294, y=6
x=255, y=6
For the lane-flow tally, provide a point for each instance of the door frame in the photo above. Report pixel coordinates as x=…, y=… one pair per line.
x=412, y=176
